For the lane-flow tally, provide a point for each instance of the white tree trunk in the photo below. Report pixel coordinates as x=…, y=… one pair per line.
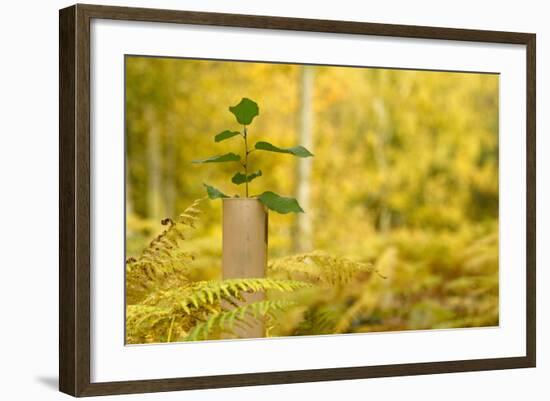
x=303, y=229
x=153, y=166
x=382, y=139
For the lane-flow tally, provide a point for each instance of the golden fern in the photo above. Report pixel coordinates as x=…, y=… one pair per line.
x=150, y=324
x=163, y=263
x=204, y=294
x=164, y=304
x=320, y=268
x=228, y=321
x=166, y=315
x=331, y=306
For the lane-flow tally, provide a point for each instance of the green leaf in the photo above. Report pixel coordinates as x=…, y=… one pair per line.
x=214, y=193
x=245, y=111
x=226, y=135
x=299, y=151
x=280, y=204
x=240, y=178
x=228, y=157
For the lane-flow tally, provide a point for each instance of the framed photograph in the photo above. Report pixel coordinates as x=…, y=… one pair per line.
x=249, y=200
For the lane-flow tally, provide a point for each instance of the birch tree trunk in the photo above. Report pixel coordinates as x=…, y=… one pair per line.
x=169, y=182
x=153, y=166
x=303, y=225
x=382, y=139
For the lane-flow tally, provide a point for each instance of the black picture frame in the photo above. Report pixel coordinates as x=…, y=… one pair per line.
x=74, y=199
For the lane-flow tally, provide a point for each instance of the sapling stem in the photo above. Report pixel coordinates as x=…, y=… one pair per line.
x=246, y=161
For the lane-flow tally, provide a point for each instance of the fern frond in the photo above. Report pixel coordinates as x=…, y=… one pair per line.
x=163, y=263
x=209, y=293
x=227, y=321
x=362, y=306
x=177, y=310
x=319, y=319
x=319, y=268
x=146, y=323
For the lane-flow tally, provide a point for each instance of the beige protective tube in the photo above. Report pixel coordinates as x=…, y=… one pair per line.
x=244, y=253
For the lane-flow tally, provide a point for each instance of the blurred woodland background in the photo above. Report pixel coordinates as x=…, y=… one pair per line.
x=404, y=178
